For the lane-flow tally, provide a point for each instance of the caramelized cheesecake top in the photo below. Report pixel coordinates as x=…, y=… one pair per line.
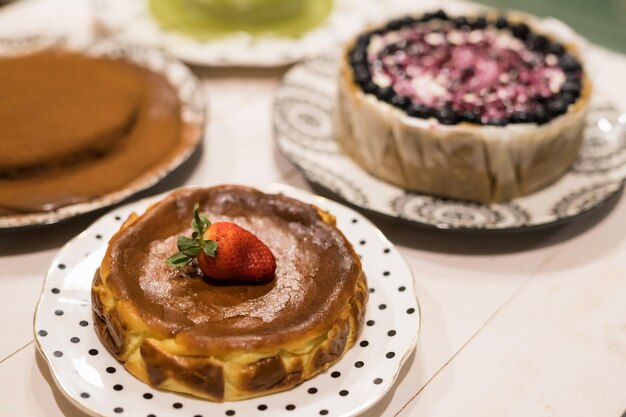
x=317, y=272
x=76, y=127
x=475, y=70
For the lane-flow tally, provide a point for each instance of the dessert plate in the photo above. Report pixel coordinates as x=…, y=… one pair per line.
x=303, y=130
x=96, y=383
x=193, y=114
x=131, y=20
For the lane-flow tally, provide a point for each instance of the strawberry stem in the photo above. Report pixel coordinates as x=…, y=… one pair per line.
x=189, y=248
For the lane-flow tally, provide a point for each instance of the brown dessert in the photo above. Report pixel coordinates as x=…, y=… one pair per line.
x=77, y=127
x=176, y=329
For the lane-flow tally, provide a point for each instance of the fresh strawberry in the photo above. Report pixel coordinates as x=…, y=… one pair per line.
x=225, y=251
x=240, y=255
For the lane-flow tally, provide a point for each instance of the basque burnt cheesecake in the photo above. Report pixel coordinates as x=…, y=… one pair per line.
x=483, y=108
x=76, y=128
x=219, y=336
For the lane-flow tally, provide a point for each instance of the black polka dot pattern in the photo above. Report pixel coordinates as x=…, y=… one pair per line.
x=381, y=306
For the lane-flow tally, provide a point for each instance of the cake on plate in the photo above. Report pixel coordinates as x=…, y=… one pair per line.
x=187, y=325
x=484, y=108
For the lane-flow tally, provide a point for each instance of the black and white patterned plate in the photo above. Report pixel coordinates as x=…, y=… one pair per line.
x=193, y=112
x=96, y=383
x=303, y=130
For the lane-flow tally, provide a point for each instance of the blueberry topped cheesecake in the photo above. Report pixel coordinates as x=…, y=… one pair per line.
x=483, y=108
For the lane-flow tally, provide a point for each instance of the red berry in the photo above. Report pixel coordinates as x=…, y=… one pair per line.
x=240, y=255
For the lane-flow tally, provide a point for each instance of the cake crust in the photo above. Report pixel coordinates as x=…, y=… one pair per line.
x=229, y=341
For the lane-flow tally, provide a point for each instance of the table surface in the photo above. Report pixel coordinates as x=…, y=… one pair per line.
x=530, y=324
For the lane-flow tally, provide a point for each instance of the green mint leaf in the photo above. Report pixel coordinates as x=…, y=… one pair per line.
x=185, y=243
x=178, y=260
x=209, y=247
x=192, y=251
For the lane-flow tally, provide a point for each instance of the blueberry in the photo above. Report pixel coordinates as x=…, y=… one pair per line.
x=571, y=86
x=369, y=87
x=461, y=22
x=501, y=22
x=402, y=102
x=555, y=48
x=479, y=23
x=361, y=74
x=540, y=114
x=357, y=56
x=522, y=117
x=440, y=14
x=536, y=42
x=363, y=40
x=471, y=116
x=521, y=30
x=557, y=106
x=446, y=116
x=407, y=21
x=427, y=17
x=385, y=94
x=569, y=63
x=394, y=24
x=568, y=98
x=418, y=110
x=498, y=121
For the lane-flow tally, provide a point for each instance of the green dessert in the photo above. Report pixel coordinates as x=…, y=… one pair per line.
x=206, y=19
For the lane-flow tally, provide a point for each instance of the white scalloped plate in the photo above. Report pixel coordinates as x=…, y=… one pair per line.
x=193, y=112
x=303, y=130
x=131, y=20
x=96, y=383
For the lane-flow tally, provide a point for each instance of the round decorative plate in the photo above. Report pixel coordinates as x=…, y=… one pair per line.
x=193, y=114
x=132, y=20
x=303, y=129
x=96, y=383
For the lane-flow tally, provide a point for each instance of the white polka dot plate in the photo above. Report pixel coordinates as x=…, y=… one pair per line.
x=303, y=129
x=131, y=20
x=96, y=383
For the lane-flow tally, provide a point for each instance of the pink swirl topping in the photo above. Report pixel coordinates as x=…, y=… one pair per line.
x=486, y=71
